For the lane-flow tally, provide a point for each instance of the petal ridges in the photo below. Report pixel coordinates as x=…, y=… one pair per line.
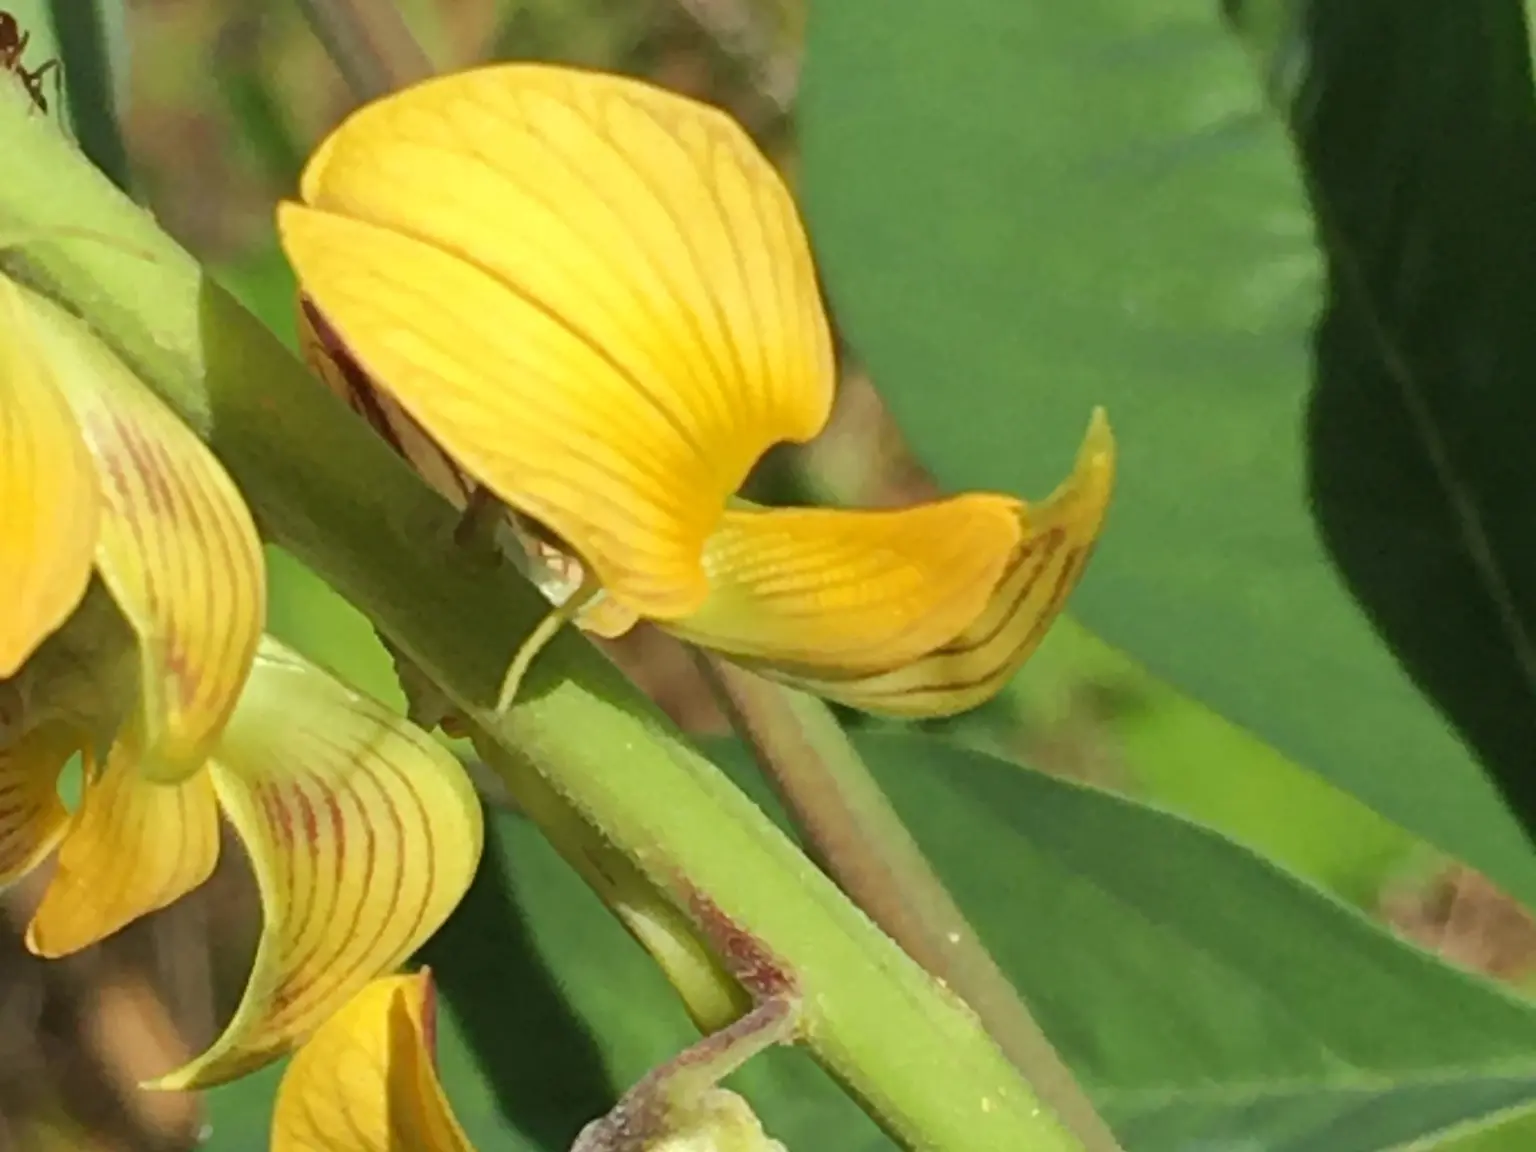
x=48, y=493
x=176, y=548
x=133, y=848
x=1058, y=539
x=363, y=832
x=366, y=1081
x=32, y=817
x=851, y=590
x=595, y=295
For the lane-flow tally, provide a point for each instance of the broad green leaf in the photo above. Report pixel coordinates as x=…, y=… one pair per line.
x=1514, y=1132
x=1025, y=209
x=1208, y=999
x=1421, y=476
x=1100, y=717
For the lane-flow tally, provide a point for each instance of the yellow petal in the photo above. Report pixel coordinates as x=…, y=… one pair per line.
x=48, y=493
x=177, y=549
x=596, y=295
x=857, y=590
x=363, y=832
x=367, y=1081
x=1060, y=533
x=133, y=847
x=324, y=354
x=32, y=818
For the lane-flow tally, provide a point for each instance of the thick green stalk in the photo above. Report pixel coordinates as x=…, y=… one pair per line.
x=324, y=486
x=370, y=43
x=857, y=835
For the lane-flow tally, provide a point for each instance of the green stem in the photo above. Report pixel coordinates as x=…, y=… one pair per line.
x=863, y=844
x=370, y=43
x=323, y=486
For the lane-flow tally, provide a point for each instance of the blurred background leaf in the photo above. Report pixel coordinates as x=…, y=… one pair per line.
x=1418, y=138
x=1044, y=208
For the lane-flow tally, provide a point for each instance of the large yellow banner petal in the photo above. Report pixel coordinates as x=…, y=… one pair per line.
x=133, y=847
x=364, y=833
x=48, y=493
x=1059, y=534
x=851, y=590
x=177, y=548
x=367, y=1082
x=597, y=296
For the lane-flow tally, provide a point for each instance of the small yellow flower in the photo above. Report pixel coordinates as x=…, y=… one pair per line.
x=596, y=299
x=362, y=831
x=367, y=1082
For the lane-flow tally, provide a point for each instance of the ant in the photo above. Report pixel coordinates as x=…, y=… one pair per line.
x=13, y=42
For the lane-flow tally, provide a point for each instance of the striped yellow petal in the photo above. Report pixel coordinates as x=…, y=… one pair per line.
x=595, y=295
x=176, y=548
x=32, y=818
x=48, y=493
x=851, y=590
x=1059, y=535
x=557, y=574
x=133, y=847
x=363, y=832
x=367, y=1080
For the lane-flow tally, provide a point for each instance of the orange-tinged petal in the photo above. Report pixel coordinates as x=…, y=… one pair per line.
x=48, y=493
x=367, y=1081
x=133, y=847
x=557, y=574
x=363, y=832
x=851, y=590
x=32, y=818
x=1060, y=533
x=176, y=548
x=595, y=295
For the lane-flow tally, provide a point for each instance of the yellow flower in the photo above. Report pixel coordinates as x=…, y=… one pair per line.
x=596, y=299
x=367, y=1082
x=362, y=831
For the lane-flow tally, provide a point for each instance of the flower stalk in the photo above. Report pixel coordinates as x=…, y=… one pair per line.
x=860, y=840
x=322, y=486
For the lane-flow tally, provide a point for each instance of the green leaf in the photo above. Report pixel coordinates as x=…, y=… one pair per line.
x=1097, y=716
x=1209, y=999
x=1024, y=209
x=1415, y=136
x=1515, y=1132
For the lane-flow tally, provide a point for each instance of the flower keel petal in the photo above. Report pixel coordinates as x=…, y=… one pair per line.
x=595, y=295
x=48, y=493
x=177, y=549
x=363, y=832
x=366, y=1081
x=1060, y=534
x=133, y=847
x=857, y=590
